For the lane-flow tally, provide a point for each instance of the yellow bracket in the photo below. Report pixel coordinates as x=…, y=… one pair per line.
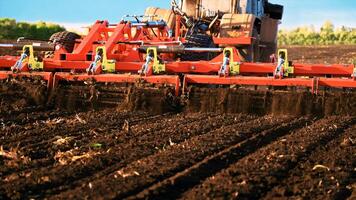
x=107, y=66
x=234, y=66
x=33, y=63
x=287, y=69
x=157, y=66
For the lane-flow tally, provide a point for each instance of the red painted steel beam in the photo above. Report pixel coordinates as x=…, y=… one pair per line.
x=200, y=67
x=246, y=80
x=197, y=67
x=172, y=80
x=79, y=53
x=118, y=35
x=8, y=61
x=337, y=82
x=177, y=27
x=233, y=41
x=323, y=69
x=312, y=83
x=260, y=68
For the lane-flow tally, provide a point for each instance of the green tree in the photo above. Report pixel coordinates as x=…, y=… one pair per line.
x=10, y=29
x=325, y=36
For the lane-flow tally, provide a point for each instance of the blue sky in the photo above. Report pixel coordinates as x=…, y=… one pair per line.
x=77, y=13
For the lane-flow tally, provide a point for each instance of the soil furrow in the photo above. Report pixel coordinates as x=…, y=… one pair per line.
x=11, y=128
x=110, y=136
x=168, y=162
x=135, y=149
x=48, y=148
x=328, y=173
x=172, y=187
x=75, y=124
x=11, y=115
x=31, y=117
x=254, y=175
x=84, y=137
x=201, y=127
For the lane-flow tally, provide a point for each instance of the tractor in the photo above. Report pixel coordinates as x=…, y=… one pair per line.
x=249, y=25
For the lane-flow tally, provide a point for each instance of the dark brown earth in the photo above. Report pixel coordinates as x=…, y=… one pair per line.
x=19, y=94
x=223, y=145
x=333, y=54
x=276, y=102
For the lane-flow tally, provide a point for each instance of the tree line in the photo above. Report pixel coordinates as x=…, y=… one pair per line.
x=11, y=29
x=308, y=35
x=327, y=35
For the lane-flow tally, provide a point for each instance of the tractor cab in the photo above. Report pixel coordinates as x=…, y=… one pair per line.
x=248, y=25
x=208, y=8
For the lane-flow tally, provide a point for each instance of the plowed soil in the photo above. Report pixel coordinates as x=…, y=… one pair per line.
x=341, y=54
x=225, y=145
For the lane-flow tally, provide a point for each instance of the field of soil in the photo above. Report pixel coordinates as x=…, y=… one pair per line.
x=333, y=54
x=110, y=153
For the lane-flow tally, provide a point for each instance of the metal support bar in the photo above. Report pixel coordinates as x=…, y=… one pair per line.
x=260, y=81
x=233, y=41
x=198, y=67
x=37, y=46
x=172, y=80
x=337, y=82
x=313, y=83
x=179, y=49
x=149, y=24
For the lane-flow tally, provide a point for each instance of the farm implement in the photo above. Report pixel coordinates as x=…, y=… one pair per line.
x=178, y=51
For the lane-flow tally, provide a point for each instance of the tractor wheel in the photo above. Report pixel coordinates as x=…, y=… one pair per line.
x=199, y=40
x=66, y=39
x=252, y=52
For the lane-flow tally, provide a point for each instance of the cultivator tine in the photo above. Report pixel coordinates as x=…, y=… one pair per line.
x=101, y=63
x=152, y=64
x=229, y=65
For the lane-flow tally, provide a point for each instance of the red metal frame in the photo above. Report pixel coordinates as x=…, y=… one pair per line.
x=249, y=81
x=337, y=82
x=119, y=78
x=198, y=67
x=313, y=83
x=122, y=40
x=233, y=41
